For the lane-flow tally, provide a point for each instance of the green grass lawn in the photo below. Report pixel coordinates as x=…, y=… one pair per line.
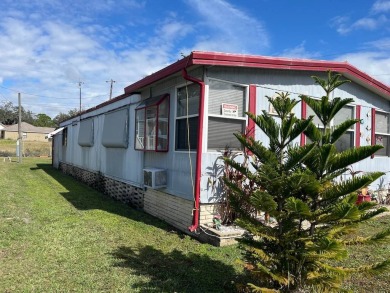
x=58, y=235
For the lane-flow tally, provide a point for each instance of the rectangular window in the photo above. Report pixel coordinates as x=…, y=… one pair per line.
x=187, y=117
x=152, y=124
x=382, y=132
x=65, y=136
x=115, y=129
x=85, y=138
x=221, y=131
x=227, y=107
x=346, y=141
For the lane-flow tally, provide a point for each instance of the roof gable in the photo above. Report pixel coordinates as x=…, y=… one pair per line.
x=26, y=127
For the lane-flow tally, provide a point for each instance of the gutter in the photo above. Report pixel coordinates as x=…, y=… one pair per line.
x=196, y=210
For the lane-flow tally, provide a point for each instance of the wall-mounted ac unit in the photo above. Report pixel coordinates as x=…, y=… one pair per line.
x=155, y=178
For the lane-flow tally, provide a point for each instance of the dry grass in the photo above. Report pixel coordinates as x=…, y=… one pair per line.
x=30, y=148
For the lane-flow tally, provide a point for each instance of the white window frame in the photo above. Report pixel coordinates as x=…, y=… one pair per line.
x=383, y=133
x=185, y=117
x=350, y=130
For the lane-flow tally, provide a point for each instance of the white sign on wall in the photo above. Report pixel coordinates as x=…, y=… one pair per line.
x=229, y=110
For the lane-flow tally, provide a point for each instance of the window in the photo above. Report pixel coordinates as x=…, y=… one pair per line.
x=227, y=106
x=187, y=117
x=152, y=124
x=346, y=141
x=382, y=132
x=85, y=138
x=65, y=136
x=115, y=129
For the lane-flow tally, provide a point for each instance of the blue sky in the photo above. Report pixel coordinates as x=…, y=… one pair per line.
x=48, y=46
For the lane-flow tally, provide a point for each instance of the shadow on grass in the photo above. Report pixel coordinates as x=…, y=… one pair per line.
x=175, y=271
x=83, y=197
x=158, y=271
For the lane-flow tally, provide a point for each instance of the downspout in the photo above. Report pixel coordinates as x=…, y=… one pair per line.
x=195, y=219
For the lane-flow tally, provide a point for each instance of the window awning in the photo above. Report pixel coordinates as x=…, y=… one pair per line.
x=51, y=134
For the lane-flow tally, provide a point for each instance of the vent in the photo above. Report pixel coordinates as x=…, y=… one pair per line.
x=155, y=178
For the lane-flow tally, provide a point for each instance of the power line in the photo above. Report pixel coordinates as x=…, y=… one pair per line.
x=35, y=95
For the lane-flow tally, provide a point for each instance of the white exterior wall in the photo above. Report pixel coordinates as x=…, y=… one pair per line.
x=127, y=164
x=296, y=82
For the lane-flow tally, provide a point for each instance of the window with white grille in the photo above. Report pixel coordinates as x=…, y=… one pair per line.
x=382, y=133
x=187, y=117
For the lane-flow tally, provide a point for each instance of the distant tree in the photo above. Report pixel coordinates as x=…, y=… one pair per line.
x=7, y=114
x=43, y=120
x=27, y=115
x=64, y=116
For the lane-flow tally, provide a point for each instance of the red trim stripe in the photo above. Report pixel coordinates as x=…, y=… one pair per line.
x=250, y=131
x=373, y=140
x=252, y=109
x=357, y=129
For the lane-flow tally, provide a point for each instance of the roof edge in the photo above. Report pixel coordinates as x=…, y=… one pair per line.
x=254, y=61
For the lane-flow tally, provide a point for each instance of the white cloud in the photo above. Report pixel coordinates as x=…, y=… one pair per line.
x=343, y=25
x=374, y=20
x=300, y=52
x=381, y=6
x=228, y=28
x=48, y=59
x=375, y=64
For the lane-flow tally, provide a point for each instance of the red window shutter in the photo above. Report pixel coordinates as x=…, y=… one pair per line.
x=357, y=129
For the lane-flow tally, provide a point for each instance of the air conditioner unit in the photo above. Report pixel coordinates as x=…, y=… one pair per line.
x=155, y=178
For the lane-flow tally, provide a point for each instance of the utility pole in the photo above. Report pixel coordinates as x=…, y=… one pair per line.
x=20, y=128
x=80, y=83
x=110, y=81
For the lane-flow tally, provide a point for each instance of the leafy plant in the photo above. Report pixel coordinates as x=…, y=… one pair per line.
x=298, y=187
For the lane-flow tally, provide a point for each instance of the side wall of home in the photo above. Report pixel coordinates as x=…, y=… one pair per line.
x=174, y=203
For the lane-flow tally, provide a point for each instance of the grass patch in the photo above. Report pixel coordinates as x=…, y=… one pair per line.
x=58, y=235
x=369, y=254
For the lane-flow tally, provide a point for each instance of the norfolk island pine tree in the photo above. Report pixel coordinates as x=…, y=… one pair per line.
x=299, y=187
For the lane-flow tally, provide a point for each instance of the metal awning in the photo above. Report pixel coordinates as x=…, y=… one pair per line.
x=51, y=134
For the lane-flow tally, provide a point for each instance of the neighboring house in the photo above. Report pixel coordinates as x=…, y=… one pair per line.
x=29, y=132
x=136, y=146
x=2, y=131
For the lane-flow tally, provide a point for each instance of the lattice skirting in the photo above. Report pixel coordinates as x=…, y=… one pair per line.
x=124, y=192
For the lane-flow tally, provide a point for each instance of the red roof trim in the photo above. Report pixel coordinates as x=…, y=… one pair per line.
x=171, y=69
x=237, y=60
